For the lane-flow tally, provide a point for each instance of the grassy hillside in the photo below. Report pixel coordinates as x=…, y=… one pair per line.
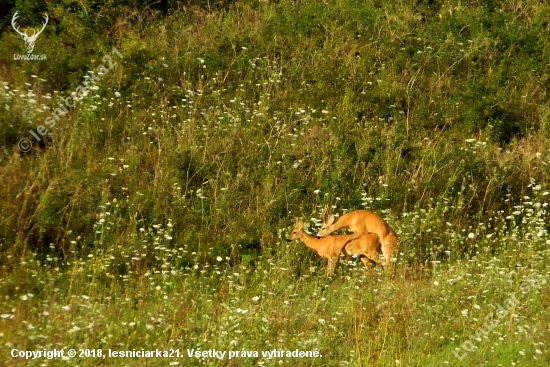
x=152, y=208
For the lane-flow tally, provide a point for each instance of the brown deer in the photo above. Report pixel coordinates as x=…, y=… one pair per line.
x=361, y=222
x=330, y=247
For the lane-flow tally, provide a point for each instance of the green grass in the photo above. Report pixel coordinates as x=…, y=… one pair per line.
x=155, y=213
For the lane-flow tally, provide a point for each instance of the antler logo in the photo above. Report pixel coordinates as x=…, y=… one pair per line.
x=29, y=40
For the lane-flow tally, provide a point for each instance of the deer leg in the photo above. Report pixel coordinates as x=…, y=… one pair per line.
x=387, y=251
x=367, y=262
x=330, y=267
x=373, y=256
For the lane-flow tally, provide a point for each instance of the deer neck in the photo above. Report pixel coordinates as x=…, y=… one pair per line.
x=312, y=242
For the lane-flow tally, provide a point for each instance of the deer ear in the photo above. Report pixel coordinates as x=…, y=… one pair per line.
x=330, y=219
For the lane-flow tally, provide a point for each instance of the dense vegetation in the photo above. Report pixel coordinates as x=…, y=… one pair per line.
x=153, y=214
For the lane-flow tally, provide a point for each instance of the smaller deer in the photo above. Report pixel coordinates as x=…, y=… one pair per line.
x=330, y=247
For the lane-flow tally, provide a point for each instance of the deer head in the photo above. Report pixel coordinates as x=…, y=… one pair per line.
x=29, y=40
x=297, y=232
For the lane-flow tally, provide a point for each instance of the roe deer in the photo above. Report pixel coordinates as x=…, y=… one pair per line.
x=367, y=246
x=361, y=222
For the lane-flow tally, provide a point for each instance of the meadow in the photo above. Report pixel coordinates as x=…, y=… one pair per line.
x=170, y=153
